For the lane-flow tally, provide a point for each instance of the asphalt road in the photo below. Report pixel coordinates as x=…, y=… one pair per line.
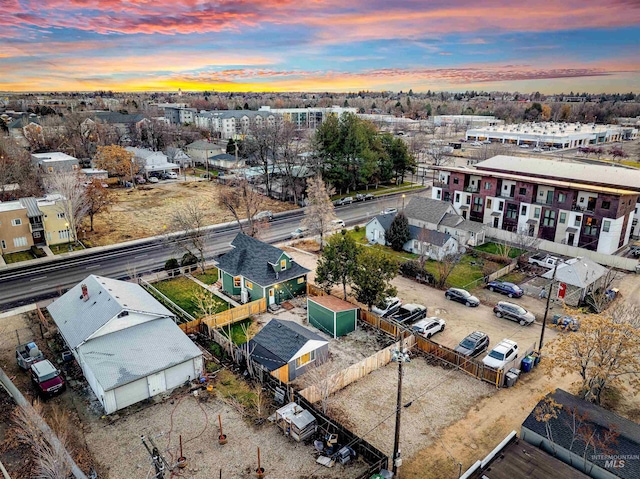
x=48, y=277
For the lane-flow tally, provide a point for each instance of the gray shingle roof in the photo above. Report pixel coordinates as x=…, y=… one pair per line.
x=598, y=419
x=432, y=237
x=116, y=117
x=77, y=320
x=123, y=356
x=251, y=258
x=31, y=204
x=223, y=157
x=385, y=220
x=279, y=341
x=426, y=209
x=580, y=272
x=203, y=145
x=452, y=220
x=473, y=226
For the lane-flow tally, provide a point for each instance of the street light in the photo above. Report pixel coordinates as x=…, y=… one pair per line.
x=66, y=225
x=133, y=181
x=403, y=197
x=400, y=357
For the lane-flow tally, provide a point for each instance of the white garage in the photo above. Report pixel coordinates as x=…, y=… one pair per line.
x=126, y=343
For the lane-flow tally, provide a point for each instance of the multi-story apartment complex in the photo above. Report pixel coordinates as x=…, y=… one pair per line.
x=584, y=205
x=232, y=123
x=308, y=118
x=32, y=221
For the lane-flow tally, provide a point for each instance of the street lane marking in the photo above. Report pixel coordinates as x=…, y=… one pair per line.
x=92, y=267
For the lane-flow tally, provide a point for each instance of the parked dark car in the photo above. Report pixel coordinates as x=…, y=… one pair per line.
x=343, y=201
x=410, y=313
x=504, y=287
x=46, y=379
x=473, y=344
x=368, y=197
x=514, y=312
x=461, y=296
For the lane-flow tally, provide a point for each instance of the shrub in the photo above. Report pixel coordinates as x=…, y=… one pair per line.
x=172, y=265
x=356, y=228
x=413, y=269
x=188, y=259
x=38, y=252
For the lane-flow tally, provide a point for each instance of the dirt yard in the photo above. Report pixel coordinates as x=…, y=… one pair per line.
x=146, y=210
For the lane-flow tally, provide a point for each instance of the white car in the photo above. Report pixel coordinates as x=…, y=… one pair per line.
x=337, y=224
x=153, y=179
x=389, y=306
x=387, y=211
x=524, y=145
x=501, y=355
x=299, y=232
x=537, y=149
x=476, y=143
x=429, y=326
x=172, y=175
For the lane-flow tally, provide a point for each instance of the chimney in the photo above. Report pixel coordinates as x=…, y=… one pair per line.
x=85, y=292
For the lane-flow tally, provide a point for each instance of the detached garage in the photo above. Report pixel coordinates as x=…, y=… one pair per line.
x=126, y=342
x=331, y=315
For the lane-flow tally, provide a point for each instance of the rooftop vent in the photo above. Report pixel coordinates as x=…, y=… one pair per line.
x=85, y=292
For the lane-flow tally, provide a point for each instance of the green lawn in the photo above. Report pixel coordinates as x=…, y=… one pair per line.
x=210, y=276
x=64, y=248
x=17, y=257
x=381, y=190
x=494, y=248
x=182, y=292
x=463, y=273
x=359, y=236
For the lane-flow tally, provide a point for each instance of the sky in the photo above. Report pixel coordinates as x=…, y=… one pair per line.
x=320, y=45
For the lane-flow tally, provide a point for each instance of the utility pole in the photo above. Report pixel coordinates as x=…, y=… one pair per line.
x=400, y=357
x=546, y=310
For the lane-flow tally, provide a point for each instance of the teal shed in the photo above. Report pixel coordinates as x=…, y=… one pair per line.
x=332, y=315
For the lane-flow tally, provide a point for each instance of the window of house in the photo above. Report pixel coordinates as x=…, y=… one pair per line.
x=305, y=359
x=283, y=264
x=457, y=197
x=60, y=216
x=468, y=200
x=590, y=226
x=16, y=222
x=578, y=221
x=606, y=205
x=301, y=280
x=237, y=281
x=549, y=218
x=563, y=218
x=501, y=206
x=512, y=211
x=456, y=181
x=4, y=244
x=536, y=213
x=437, y=194
x=606, y=226
x=477, y=204
x=523, y=210
x=63, y=234
x=582, y=199
x=487, y=185
x=17, y=242
x=562, y=197
x=489, y=203
x=248, y=284
x=522, y=191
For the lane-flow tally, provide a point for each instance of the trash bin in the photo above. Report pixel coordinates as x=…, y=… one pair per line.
x=526, y=364
x=510, y=379
x=536, y=358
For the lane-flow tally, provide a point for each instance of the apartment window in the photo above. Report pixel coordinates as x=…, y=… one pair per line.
x=606, y=205
x=248, y=284
x=17, y=242
x=562, y=197
x=477, y=204
x=487, y=185
x=301, y=280
x=63, y=234
x=305, y=359
x=236, y=281
x=283, y=264
x=606, y=226
x=512, y=211
x=582, y=199
x=60, y=216
x=522, y=191
x=468, y=200
x=16, y=222
x=536, y=213
x=457, y=197
x=489, y=203
x=563, y=218
x=549, y=218
x=523, y=210
x=456, y=181
x=438, y=195
x=578, y=221
x=4, y=244
x=501, y=206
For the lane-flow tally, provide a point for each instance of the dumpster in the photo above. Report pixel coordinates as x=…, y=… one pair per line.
x=527, y=364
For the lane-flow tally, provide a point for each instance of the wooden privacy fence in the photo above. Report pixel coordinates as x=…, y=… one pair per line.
x=343, y=378
x=225, y=318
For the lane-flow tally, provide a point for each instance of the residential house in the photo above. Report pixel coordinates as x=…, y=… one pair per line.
x=55, y=162
x=200, y=151
x=95, y=173
x=574, y=432
x=433, y=244
x=584, y=205
x=254, y=269
x=54, y=220
x=15, y=233
x=377, y=227
x=126, y=343
x=580, y=277
x=152, y=161
x=225, y=161
x=287, y=349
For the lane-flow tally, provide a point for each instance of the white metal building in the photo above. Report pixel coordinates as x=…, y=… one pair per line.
x=126, y=342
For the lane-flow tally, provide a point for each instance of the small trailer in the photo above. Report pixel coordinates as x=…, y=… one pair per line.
x=296, y=422
x=27, y=354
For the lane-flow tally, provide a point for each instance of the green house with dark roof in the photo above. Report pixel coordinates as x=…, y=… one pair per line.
x=254, y=269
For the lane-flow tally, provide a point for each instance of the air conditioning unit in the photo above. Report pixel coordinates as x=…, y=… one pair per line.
x=244, y=296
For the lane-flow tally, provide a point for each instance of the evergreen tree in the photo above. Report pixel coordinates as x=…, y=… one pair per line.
x=398, y=233
x=372, y=275
x=337, y=262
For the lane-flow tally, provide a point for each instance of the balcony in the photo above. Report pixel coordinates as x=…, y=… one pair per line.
x=36, y=226
x=471, y=189
x=441, y=184
x=582, y=209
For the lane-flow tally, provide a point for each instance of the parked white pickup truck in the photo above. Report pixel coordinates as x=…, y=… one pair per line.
x=544, y=260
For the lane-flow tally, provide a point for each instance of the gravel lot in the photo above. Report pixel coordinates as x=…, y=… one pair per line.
x=118, y=444
x=438, y=398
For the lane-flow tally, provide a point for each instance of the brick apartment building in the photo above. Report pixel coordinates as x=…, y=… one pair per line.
x=584, y=205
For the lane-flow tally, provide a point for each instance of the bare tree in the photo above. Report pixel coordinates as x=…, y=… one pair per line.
x=16, y=169
x=191, y=220
x=324, y=380
x=206, y=303
x=444, y=267
x=73, y=204
x=320, y=211
x=263, y=143
x=99, y=199
x=243, y=202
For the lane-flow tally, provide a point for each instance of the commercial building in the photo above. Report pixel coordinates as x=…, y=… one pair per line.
x=553, y=135
x=55, y=162
x=472, y=121
x=584, y=205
